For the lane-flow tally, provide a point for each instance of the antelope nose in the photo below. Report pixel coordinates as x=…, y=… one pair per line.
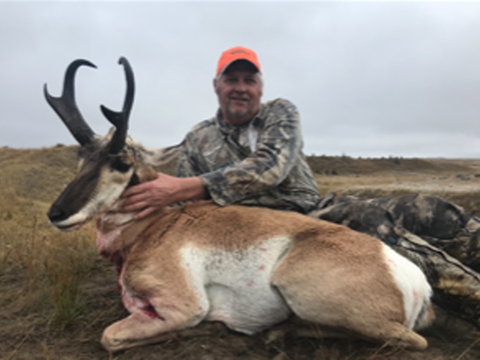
x=56, y=214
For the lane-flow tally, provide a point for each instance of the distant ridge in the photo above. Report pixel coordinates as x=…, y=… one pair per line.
x=345, y=165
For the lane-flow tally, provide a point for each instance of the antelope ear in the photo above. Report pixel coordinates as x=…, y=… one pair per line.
x=146, y=174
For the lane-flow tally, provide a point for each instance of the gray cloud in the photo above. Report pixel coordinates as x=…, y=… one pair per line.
x=369, y=79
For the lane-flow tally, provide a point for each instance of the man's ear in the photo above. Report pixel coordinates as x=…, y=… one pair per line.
x=215, y=85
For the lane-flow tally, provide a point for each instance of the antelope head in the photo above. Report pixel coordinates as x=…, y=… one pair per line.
x=107, y=164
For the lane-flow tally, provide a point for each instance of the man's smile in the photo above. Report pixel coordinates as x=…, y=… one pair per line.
x=239, y=99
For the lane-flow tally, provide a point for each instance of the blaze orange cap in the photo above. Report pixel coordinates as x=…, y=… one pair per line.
x=234, y=54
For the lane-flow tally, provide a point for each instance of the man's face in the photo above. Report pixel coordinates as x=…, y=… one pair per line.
x=239, y=91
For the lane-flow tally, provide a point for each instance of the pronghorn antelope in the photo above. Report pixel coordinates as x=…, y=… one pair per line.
x=250, y=268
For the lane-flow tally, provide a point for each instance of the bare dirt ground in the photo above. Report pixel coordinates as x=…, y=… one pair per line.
x=27, y=317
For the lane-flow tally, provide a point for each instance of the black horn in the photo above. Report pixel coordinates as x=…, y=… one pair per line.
x=120, y=119
x=66, y=107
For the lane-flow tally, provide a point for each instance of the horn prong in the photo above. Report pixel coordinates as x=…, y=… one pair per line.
x=120, y=119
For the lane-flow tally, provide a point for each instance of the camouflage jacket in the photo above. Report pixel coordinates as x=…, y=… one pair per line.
x=260, y=163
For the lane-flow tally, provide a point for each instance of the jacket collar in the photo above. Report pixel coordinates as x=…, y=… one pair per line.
x=234, y=130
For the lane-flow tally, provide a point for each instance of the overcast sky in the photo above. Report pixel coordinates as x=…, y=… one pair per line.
x=370, y=79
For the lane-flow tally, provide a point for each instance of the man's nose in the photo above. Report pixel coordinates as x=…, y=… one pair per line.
x=240, y=86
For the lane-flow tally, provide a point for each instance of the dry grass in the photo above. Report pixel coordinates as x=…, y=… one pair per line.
x=57, y=295
x=47, y=266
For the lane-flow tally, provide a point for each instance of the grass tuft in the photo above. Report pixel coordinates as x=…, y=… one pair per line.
x=66, y=268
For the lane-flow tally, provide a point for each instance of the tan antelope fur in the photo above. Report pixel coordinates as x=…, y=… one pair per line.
x=250, y=268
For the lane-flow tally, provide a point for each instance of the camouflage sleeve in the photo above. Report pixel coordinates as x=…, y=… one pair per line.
x=278, y=146
x=187, y=166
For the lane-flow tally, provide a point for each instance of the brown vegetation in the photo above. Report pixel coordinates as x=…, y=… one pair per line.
x=57, y=295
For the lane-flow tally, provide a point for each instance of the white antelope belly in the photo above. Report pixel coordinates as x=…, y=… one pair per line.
x=236, y=285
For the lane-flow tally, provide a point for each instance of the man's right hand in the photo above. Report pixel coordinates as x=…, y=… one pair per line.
x=163, y=191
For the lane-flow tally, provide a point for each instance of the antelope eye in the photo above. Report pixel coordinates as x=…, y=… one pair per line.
x=121, y=166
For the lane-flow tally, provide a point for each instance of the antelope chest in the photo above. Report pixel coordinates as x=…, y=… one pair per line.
x=236, y=284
